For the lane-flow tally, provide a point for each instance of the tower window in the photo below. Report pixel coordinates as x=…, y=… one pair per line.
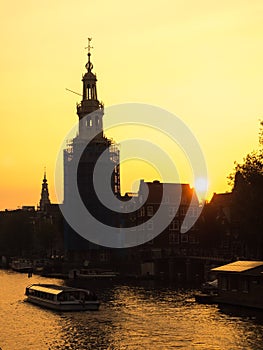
x=173, y=238
x=89, y=122
x=174, y=225
x=150, y=210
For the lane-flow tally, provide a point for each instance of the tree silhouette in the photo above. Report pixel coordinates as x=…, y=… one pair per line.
x=247, y=181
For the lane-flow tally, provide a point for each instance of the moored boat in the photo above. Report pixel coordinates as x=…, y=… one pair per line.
x=62, y=298
x=206, y=298
x=208, y=294
x=21, y=265
x=240, y=283
x=91, y=274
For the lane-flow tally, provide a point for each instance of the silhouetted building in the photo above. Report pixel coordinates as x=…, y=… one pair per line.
x=157, y=257
x=179, y=199
x=44, y=199
x=47, y=226
x=227, y=222
x=16, y=232
x=98, y=149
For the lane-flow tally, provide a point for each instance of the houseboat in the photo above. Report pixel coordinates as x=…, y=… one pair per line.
x=240, y=283
x=62, y=298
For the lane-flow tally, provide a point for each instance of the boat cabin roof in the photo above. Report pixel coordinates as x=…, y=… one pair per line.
x=53, y=289
x=238, y=266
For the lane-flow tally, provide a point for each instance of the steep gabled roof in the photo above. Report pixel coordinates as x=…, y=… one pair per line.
x=222, y=199
x=174, y=191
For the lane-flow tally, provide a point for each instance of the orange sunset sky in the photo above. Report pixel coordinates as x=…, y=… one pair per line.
x=200, y=60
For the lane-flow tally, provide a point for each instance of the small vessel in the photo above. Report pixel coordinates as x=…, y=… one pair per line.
x=208, y=294
x=210, y=286
x=95, y=273
x=62, y=298
x=21, y=265
x=205, y=298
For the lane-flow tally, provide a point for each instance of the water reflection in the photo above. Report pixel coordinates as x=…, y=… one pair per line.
x=131, y=317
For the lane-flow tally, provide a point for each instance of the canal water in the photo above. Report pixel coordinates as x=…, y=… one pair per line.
x=132, y=316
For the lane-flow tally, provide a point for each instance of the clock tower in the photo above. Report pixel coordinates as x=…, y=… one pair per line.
x=92, y=140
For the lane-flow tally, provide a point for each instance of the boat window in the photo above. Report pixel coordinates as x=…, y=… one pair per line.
x=244, y=285
x=234, y=283
x=61, y=297
x=224, y=283
x=89, y=295
x=149, y=210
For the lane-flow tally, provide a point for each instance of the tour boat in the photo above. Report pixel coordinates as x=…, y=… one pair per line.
x=61, y=298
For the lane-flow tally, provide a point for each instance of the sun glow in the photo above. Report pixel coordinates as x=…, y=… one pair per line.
x=201, y=61
x=201, y=187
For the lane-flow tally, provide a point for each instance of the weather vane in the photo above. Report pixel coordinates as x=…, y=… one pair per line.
x=89, y=47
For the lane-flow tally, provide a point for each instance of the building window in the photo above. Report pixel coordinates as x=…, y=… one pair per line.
x=174, y=226
x=184, y=226
x=141, y=212
x=166, y=199
x=173, y=238
x=156, y=253
x=184, y=238
x=89, y=122
x=150, y=225
x=183, y=210
x=142, y=227
x=149, y=210
x=193, y=227
x=193, y=212
x=171, y=212
x=104, y=256
x=192, y=239
x=148, y=234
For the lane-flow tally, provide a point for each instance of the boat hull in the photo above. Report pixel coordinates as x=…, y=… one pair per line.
x=22, y=269
x=21, y=265
x=204, y=298
x=91, y=305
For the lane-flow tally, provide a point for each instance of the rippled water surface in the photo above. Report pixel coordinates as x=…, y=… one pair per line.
x=130, y=317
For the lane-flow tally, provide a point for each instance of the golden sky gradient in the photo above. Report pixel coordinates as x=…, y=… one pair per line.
x=201, y=60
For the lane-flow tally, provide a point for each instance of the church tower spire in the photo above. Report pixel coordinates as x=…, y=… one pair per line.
x=44, y=199
x=92, y=142
x=90, y=110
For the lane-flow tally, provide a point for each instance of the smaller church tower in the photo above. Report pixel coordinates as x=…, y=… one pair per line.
x=44, y=199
